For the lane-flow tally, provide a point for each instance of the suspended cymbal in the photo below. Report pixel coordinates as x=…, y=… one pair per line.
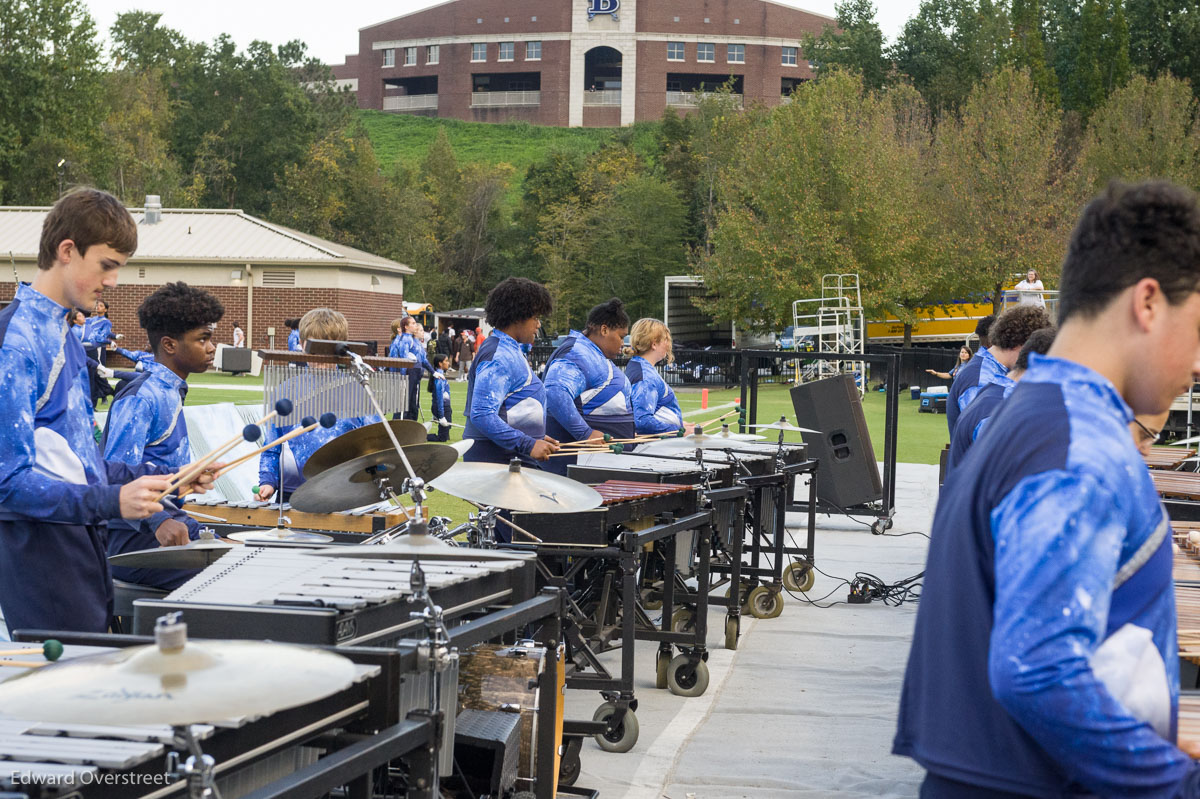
x=694, y=442
x=783, y=424
x=730, y=435
x=461, y=447
x=352, y=484
x=362, y=441
x=281, y=534
x=205, y=681
x=195, y=555
x=419, y=547
x=516, y=488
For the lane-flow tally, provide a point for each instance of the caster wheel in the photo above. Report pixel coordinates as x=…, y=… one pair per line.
x=684, y=679
x=683, y=620
x=662, y=662
x=623, y=737
x=731, y=632
x=570, y=765
x=764, y=603
x=799, y=576
x=651, y=599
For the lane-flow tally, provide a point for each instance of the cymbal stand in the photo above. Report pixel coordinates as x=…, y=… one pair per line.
x=434, y=654
x=199, y=770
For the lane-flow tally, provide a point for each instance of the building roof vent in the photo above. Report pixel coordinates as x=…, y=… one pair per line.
x=153, y=209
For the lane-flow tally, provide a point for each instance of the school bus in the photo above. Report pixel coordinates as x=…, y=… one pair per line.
x=422, y=312
x=954, y=321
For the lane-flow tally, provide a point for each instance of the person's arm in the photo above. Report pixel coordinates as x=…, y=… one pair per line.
x=645, y=399
x=492, y=385
x=268, y=461
x=437, y=405
x=564, y=382
x=939, y=375
x=1058, y=538
x=24, y=489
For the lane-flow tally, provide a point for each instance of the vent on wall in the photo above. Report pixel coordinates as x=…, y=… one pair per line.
x=141, y=273
x=279, y=277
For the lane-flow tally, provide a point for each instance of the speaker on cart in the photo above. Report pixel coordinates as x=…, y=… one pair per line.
x=847, y=473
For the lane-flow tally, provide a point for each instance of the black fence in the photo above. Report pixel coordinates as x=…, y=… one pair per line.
x=915, y=360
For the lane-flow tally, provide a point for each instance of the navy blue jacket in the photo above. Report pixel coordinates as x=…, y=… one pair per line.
x=971, y=421
x=970, y=380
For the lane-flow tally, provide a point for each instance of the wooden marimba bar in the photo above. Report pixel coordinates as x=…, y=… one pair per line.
x=1168, y=458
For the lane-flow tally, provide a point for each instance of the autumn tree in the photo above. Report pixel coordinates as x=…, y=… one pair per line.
x=854, y=43
x=998, y=187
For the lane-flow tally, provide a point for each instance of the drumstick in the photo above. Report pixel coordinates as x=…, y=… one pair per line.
x=250, y=432
x=51, y=650
x=512, y=524
x=24, y=664
x=309, y=424
x=712, y=422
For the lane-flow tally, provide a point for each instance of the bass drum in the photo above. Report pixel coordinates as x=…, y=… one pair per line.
x=506, y=678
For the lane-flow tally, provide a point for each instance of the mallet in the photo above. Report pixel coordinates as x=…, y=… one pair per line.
x=51, y=649
x=308, y=425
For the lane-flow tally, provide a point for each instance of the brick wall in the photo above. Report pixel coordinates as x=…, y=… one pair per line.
x=369, y=314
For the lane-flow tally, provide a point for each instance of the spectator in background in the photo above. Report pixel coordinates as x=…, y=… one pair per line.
x=1030, y=290
x=293, y=341
x=463, y=354
x=982, y=328
x=442, y=344
x=964, y=355
x=407, y=345
x=239, y=337
x=97, y=330
x=78, y=322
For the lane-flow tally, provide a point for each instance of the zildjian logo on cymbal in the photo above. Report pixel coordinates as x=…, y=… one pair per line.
x=552, y=497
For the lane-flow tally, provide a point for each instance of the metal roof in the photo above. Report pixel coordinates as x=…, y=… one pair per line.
x=206, y=236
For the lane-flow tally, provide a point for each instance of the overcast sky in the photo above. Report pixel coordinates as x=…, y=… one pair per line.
x=332, y=31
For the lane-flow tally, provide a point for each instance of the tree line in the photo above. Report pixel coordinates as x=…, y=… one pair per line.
x=936, y=169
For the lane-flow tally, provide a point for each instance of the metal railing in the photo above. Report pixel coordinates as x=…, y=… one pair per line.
x=1047, y=299
x=411, y=102
x=501, y=99
x=603, y=97
x=692, y=99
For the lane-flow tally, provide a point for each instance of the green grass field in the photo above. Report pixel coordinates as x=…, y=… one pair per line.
x=919, y=440
x=400, y=137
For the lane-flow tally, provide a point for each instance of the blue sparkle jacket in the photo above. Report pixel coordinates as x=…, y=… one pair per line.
x=294, y=341
x=972, y=421
x=441, y=397
x=406, y=346
x=585, y=391
x=140, y=358
x=96, y=331
x=506, y=403
x=146, y=425
x=1047, y=539
x=978, y=372
x=655, y=408
x=50, y=466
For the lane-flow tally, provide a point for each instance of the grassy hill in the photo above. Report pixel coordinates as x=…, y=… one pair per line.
x=401, y=137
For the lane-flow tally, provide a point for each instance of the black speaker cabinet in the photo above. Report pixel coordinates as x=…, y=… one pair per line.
x=846, y=470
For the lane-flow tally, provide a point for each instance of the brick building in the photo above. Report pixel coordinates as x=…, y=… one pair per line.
x=578, y=62
x=262, y=273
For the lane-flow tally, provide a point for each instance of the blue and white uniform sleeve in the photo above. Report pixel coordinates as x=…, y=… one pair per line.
x=128, y=430
x=492, y=385
x=268, y=461
x=438, y=400
x=645, y=403
x=564, y=382
x=968, y=394
x=23, y=489
x=1051, y=611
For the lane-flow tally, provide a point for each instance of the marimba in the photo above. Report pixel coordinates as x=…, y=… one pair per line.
x=1168, y=458
x=345, y=526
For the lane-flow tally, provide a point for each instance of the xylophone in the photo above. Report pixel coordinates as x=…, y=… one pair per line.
x=596, y=467
x=1180, y=492
x=1169, y=458
x=627, y=504
x=290, y=595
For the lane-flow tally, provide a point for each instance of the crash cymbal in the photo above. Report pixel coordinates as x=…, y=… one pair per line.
x=195, y=555
x=419, y=547
x=352, y=484
x=729, y=435
x=202, y=682
x=514, y=487
x=362, y=441
x=783, y=424
x=462, y=446
x=281, y=534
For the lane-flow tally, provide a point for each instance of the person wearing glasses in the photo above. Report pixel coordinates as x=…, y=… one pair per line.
x=1147, y=430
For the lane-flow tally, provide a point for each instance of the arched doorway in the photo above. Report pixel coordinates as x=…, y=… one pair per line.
x=602, y=72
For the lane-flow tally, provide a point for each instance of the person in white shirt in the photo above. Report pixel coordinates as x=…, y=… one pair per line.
x=239, y=337
x=1031, y=289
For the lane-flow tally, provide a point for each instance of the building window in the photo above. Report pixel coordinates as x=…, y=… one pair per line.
x=736, y=54
x=789, y=57
x=674, y=86
x=506, y=51
x=433, y=54
x=389, y=58
x=706, y=52
x=479, y=52
x=520, y=86
x=674, y=51
x=410, y=56
x=533, y=51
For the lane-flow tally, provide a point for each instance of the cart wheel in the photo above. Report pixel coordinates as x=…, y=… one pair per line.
x=623, y=737
x=570, y=765
x=661, y=662
x=764, y=603
x=731, y=632
x=799, y=576
x=652, y=599
x=686, y=679
x=683, y=620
